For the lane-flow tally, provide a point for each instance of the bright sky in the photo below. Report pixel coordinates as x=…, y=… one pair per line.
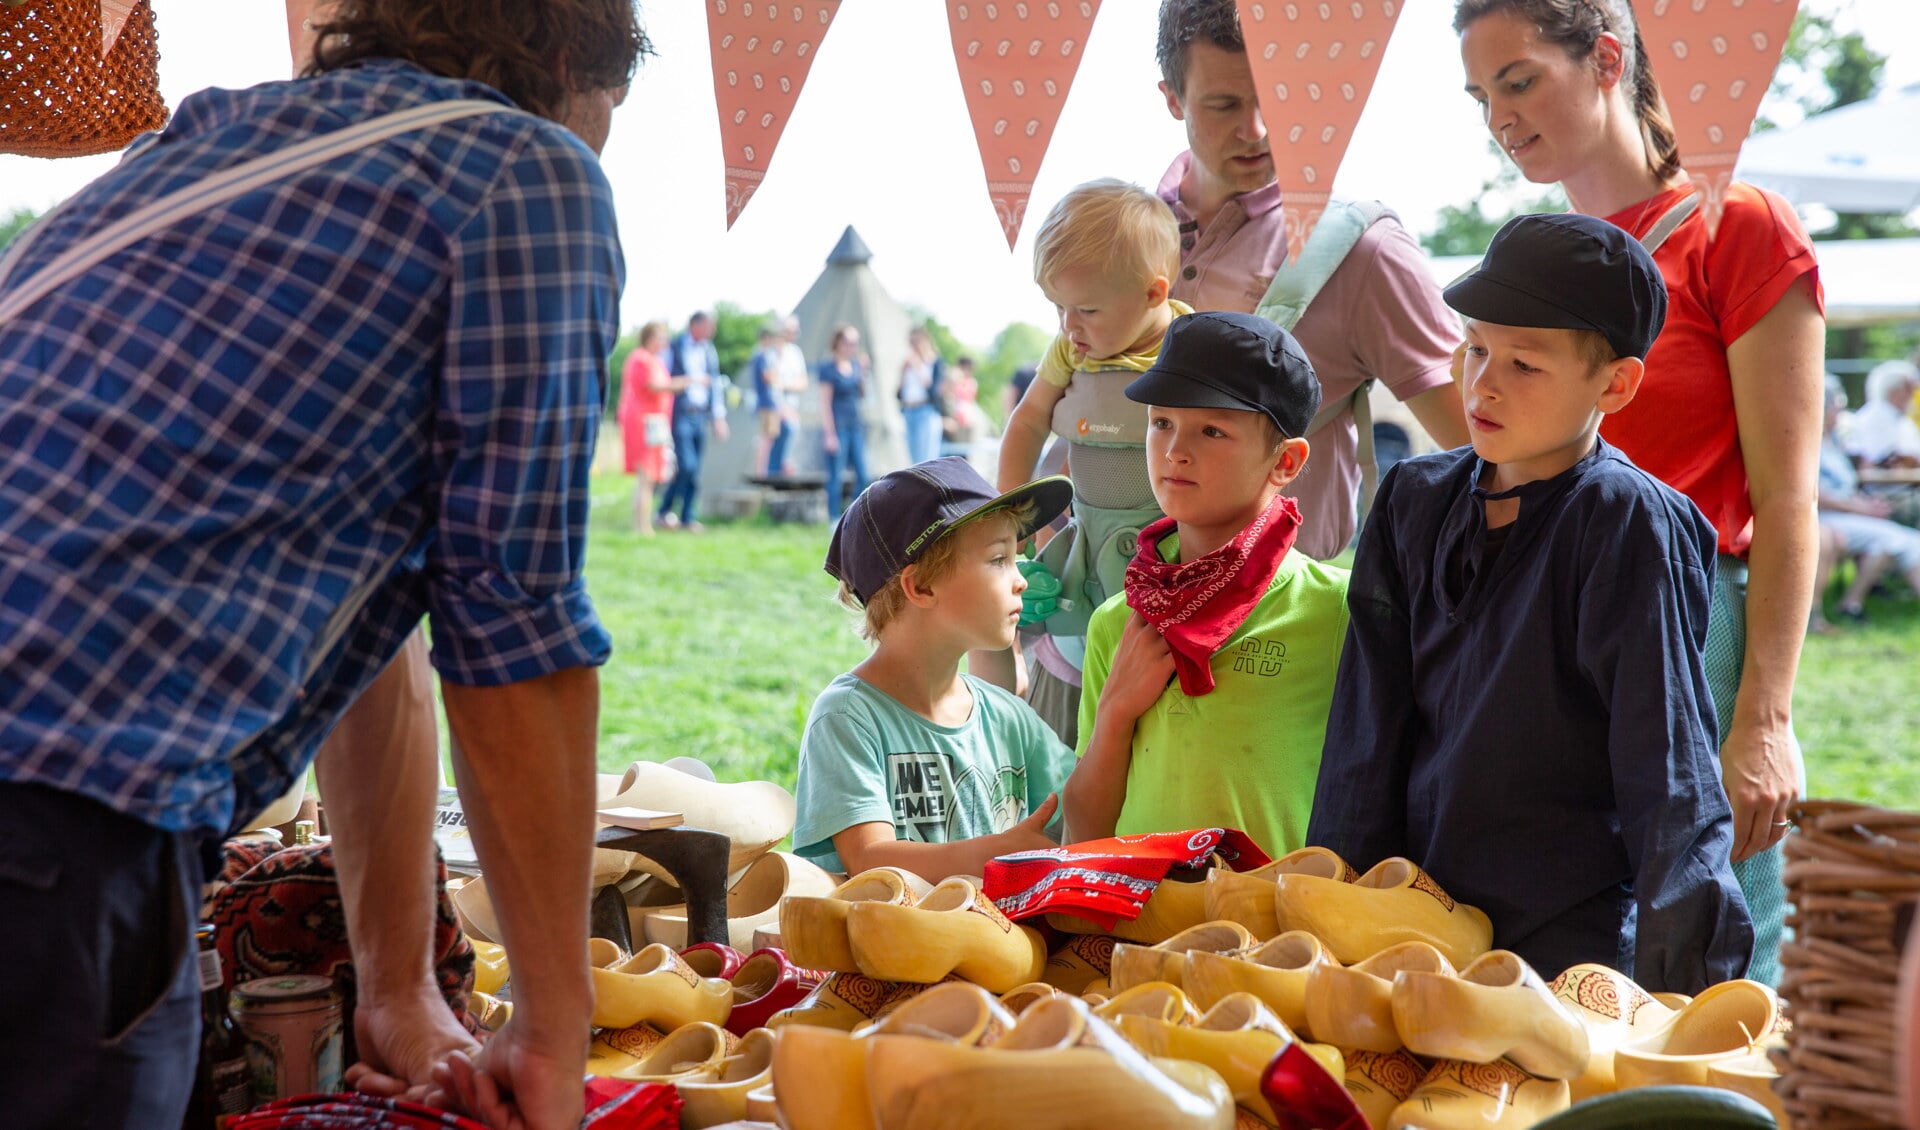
x=880, y=139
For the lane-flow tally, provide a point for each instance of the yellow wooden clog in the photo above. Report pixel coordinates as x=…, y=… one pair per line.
x=1614, y=1010
x=1136, y=965
x=1496, y=1007
x=1156, y=1000
x=1275, y=971
x=955, y=930
x=1246, y=897
x=718, y=1095
x=1380, y=1081
x=1727, y=1021
x=643, y=1055
x=656, y=986
x=1394, y=902
x=1478, y=1096
x=1352, y=1006
x=813, y=928
x=1081, y=960
x=1173, y=906
x=1239, y=1038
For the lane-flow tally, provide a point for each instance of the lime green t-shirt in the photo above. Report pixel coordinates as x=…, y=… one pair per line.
x=1247, y=754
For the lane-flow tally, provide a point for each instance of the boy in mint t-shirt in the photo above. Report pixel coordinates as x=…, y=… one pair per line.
x=1208, y=680
x=906, y=762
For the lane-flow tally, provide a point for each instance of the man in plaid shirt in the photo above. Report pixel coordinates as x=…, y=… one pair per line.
x=240, y=459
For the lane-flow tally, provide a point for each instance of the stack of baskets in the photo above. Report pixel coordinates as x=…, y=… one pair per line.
x=77, y=76
x=1853, y=877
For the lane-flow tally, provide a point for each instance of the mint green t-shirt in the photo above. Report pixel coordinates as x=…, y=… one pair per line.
x=1247, y=754
x=865, y=758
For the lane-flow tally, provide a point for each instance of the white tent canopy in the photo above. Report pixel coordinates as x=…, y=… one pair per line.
x=1867, y=281
x=1860, y=158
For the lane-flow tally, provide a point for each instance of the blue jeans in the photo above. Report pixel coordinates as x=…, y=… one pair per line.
x=851, y=454
x=777, y=451
x=102, y=1004
x=689, y=444
x=923, y=432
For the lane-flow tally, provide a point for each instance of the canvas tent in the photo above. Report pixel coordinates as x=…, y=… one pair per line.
x=847, y=292
x=1849, y=160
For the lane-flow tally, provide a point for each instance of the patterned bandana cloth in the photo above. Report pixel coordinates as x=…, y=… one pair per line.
x=1106, y=881
x=1197, y=604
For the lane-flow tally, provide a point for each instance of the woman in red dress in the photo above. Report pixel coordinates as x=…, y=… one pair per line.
x=645, y=415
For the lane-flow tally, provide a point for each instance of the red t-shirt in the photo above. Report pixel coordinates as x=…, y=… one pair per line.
x=1680, y=427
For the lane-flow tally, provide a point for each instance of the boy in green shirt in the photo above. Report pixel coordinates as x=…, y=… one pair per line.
x=905, y=762
x=1216, y=597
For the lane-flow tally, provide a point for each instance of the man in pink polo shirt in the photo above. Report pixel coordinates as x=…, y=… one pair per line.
x=1379, y=316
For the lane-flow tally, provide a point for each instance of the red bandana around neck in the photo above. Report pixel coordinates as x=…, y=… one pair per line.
x=1197, y=604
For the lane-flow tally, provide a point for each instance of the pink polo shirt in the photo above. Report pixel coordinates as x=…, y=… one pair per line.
x=1379, y=316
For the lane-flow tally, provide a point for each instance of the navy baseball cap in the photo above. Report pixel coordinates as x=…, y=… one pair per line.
x=899, y=515
x=1230, y=360
x=1566, y=271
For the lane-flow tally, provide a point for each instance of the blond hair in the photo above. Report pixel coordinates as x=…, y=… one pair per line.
x=886, y=604
x=1121, y=228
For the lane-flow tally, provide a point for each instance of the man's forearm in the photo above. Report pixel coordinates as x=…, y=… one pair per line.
x=524, y=760
x=379, y=776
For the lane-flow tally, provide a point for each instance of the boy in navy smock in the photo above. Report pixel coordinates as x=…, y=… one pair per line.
x=1522, y=701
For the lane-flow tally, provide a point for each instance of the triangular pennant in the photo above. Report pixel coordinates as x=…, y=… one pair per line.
x=1714, y=59
x=762, y=51
x=1017, y=61
x=1313, y=66
x=113, y=17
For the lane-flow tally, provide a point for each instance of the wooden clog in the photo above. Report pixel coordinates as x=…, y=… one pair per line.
x=1478, y=1096
x=845, y=1001
x=1156, y=1000
x=1275, y=971
x=813, y=928
x=1246, y=897
x=1136, y=965
x=1174, y=905
x=1060, y=1067
x=1019, y=997
x=657, y=987
x=1078, y=962
x=1727, y=1021
x=644, y=1055
x=1496, y=1007
x=1352, y=1007
x=753, y=815
x=490, y=969
x=1394, y=902
x=1614, y=1010
x=1752, y=1075
x=1381, y=1081
x=1238, y=1038
x=955, y=930
x=718, y=1095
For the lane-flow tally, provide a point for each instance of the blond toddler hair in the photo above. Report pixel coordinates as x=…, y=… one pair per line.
x=1121, y=229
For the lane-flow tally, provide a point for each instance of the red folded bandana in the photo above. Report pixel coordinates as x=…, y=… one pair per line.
x=1197, y=604
x=1105, y=881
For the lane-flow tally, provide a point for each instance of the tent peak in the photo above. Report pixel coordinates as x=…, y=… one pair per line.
x=851, y=250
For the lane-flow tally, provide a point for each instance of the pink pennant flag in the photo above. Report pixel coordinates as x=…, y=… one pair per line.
x=113, y=17
x=762, y=51
x=1714, y=59
x=1017, y=61
x=1313, y=66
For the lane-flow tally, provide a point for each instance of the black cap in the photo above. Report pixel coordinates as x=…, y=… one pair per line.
x=1229, y=360
x=1566, y=271
x=899, y=515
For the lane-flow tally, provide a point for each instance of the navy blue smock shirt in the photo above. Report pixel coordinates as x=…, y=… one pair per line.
x=1535, y=729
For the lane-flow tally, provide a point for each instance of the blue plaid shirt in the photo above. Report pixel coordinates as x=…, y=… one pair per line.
x=240, y=459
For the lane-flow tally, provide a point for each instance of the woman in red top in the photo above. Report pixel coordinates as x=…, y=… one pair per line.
x=645, y=415
x=1729, y=411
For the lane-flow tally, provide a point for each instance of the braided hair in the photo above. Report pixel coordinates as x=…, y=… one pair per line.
x=1576, y=26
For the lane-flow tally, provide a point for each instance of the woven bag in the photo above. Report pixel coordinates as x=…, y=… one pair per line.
x=59, y=97
x=1853, y=877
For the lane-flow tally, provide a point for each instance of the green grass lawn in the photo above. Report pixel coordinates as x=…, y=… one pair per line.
x=722, y=639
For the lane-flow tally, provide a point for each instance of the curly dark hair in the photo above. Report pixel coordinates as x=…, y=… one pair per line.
x=1182, y=22
x=537, y=52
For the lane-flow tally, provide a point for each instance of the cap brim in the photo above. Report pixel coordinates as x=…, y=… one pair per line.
x=1169, y=389
x=1050, y=497
x=1487, y=299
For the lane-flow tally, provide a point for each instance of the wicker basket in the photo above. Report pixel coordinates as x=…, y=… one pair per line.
x=58, y=96
x=1853, y=876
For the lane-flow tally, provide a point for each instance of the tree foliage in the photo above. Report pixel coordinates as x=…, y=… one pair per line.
x=1021, y=343
x=1466, y=229
x=15, y=222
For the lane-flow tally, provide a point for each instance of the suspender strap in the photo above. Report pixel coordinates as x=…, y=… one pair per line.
x=218, y=189
x=1669, y=220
